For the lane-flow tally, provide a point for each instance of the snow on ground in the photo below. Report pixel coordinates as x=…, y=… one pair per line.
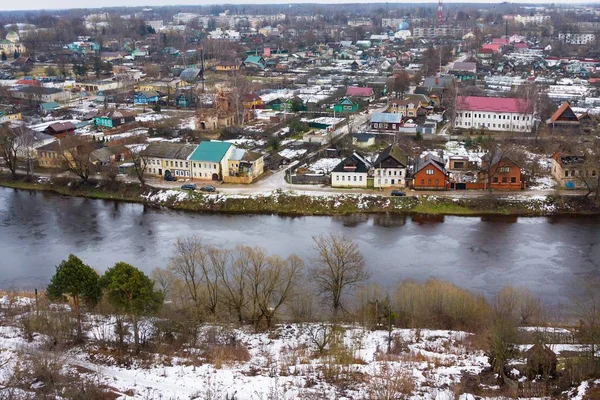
x=151, y=116
x=246, y=142
x=543, y=183
x=291, y=154
x=188, y=123
x=42, y=126
x=324, y=165
x=455, y=148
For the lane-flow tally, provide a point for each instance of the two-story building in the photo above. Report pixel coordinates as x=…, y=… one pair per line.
x=386, y=122
x=351, y=172
x=430, y=173
x=405, y=107
x=389, y=169
x=572, y=171
x=168, y=160
x=243, y=166
x=209, y=161
x=493, y=114
x=504, y=172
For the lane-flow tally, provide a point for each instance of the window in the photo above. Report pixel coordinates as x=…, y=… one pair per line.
x=186, y=164
x=429, y=182
x=343, y=177
x=215, y=166
x=504, y=170
x=385, y=181
x=354, y=178
x=360, y=178
x=504, y=179
x=429, y=172
x=513, y=180
x=337, y=177
x=437, y=182
x=422, y=181
x=176, y=164
x=495, y=179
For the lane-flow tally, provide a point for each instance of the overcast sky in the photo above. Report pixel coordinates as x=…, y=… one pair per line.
x=6, y=5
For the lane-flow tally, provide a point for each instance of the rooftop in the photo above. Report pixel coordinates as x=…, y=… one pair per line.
x=213, y=151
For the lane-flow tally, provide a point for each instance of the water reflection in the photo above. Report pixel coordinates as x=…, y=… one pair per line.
x=482, y=254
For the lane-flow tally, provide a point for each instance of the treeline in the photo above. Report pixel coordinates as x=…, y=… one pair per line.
x=248, y=286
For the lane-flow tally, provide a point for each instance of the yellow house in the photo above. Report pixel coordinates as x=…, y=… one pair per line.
x=7, y=116
x=252, y=101
x=407, y=108
x=243, y=166
x=227, y=67
x=52, y=156
x=168, y=160
x=11, y=44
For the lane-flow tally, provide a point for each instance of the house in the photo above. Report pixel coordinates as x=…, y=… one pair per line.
x=52, y=155
x=430, y=173
x=404, y=107
x=184, y=99
x=243, y=166
x=227, y=67
x=60, y=129
x=572, y=171
x=390, y=167
x=47, y=108
x=168, y=159
x=464, y=71
x=145, y=98
x=493, y=114
x=41, y=94
x=364, y=93
x=10, y=45
x=252, y=101
x=351, y=172
x=345, y=105
x=505, y=173
x=209, y=161
x=541, y=361
x=7, y=115
x=112, y=119
x=386, y=121
x=255, y=62
x=110, y=154
x=565, y=118
x=363, y=140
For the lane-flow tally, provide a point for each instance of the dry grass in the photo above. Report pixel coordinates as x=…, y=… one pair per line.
x=226, y=354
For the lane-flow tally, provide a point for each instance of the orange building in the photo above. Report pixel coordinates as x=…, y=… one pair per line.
x=505, y=173
x=430, y=174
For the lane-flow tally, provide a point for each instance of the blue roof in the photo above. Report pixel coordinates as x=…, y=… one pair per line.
x=49, y=105
x=386, y=117
x=210, y=151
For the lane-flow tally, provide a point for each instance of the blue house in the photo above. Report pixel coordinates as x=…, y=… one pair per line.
x=145, y=98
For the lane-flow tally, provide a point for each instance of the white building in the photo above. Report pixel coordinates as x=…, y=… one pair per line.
x=576, y=38
x=351, y=172
x=536, y=19
x=493, y=114
x=390, y=168
x=392, y=22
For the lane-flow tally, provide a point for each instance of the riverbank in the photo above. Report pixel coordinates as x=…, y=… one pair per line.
x=297, y=203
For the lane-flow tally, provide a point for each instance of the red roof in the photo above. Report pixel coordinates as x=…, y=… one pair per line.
x=521, y=45
x=500, y=41
x=29, y=82
x=359, y=91
x=491, y=104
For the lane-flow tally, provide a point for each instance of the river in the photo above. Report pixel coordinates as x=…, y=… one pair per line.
x=547, y=255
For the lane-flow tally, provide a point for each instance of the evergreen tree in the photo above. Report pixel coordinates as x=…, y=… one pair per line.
x=77, y=280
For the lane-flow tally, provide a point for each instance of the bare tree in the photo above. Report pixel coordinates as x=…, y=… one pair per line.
x=187, y=264
x=77, y=153
x=338, y=267
x=240, y=87
x=588, y=172
x=140, y=163
x=276, y=285
x=490, y=163
x=10, y=145
x=587, y=308
x=234, y=283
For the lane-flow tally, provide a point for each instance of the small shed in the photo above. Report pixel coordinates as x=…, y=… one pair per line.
x=541, y=360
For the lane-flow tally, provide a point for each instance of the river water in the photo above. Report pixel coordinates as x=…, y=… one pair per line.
x=547, y=255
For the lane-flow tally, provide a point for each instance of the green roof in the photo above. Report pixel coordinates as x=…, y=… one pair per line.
x=49, y=106
x=210, y=151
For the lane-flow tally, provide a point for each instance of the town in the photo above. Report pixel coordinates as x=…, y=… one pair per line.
x=371, y=201
x=450, y=99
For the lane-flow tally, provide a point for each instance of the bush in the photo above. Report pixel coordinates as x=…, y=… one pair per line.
x=227, y=354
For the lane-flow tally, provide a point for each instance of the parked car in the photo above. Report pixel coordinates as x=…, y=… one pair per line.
x=188, y=186
x=398, y=193
x=208, y=188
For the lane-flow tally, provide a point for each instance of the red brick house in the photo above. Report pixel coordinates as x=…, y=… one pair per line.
x=430, y=173
x=505, y=173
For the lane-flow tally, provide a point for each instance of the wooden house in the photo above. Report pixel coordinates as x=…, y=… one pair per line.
x=430, y=173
